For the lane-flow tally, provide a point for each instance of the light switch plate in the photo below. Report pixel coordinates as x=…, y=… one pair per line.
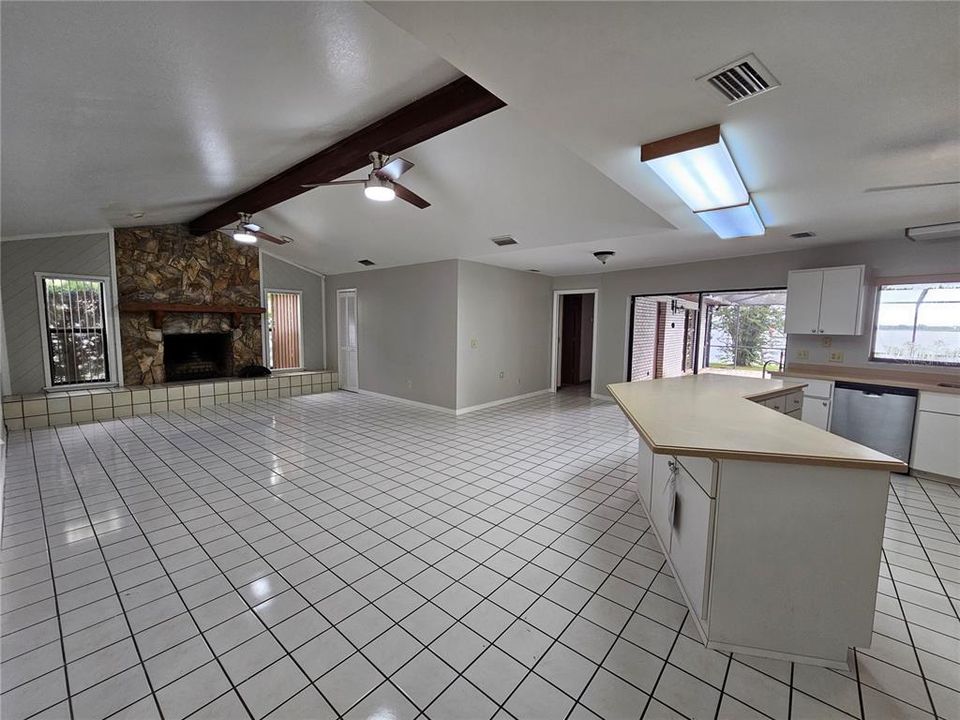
x=803, y=354
x=827, y=341
x=474, y=344
x=836, y=356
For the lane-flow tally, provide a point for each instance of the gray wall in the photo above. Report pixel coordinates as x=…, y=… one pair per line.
x=280, y=275
x=19, y=260
x=407, y=323
x=892, y=258
x=508, y=314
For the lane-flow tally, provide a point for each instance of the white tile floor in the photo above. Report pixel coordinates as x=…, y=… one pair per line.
x=342, y=556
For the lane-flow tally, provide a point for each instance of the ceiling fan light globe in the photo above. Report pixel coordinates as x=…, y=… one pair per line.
x=245, y=238
x=378, y=189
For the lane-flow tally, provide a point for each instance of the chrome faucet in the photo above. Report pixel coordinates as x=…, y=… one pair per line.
x=775, y=362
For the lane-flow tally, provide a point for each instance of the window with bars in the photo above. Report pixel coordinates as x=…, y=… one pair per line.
x=284, y=332
x=75, y=329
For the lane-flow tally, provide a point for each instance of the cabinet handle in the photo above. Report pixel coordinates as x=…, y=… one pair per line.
x=824, y=404
x=814, y=331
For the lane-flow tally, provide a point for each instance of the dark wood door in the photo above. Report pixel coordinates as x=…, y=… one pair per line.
x=570, y=339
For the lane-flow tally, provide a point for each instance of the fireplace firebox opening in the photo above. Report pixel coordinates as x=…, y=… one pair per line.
x=197, y=356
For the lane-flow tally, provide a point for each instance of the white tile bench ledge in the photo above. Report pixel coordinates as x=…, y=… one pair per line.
x=70, y=407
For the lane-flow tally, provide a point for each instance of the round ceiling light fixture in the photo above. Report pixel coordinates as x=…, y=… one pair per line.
x=242, y=236
x=604, y=255
x=379, y=189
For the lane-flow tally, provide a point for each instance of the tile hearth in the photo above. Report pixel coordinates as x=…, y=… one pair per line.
x=338, y=555
x=81, y=406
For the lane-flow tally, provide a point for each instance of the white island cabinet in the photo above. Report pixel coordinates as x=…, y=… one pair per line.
x=771, y=527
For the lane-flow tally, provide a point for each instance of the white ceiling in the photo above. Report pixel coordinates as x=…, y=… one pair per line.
x=170, y=108
x=870, y=96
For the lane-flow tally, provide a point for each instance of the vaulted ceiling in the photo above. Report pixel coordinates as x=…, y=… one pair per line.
x=111, y=109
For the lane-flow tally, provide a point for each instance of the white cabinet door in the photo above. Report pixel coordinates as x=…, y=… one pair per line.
x=777, y=403
x=840, y=301
x=816, y=411
x=803, y=302
x=935, y=446
x=661, y=496
x=690, y=544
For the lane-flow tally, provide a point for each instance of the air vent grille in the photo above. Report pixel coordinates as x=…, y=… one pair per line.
x=804, y=234
x=741, y=79
x=366, y=263
x=503, y=240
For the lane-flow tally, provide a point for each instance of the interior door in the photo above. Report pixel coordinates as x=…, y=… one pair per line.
x=803, y=302
x=347, y=339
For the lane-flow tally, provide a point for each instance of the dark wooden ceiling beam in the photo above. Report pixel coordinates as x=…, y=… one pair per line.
x=452, y=105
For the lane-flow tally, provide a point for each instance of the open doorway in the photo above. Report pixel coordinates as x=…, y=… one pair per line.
x=732, y=332
x=574, y=340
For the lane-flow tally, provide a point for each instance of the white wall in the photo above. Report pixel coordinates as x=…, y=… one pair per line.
x=278, y=274
x=503, y=326
x=21, y=259
x=899, y=257
x=407, y=330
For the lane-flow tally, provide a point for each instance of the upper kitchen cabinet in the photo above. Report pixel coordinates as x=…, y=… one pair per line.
x=826, y=301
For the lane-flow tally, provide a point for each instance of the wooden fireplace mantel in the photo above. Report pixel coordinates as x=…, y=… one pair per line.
x=158, y=310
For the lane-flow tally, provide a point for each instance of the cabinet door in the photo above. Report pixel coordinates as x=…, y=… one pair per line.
x=777, y=403
x=690, y=544
x=840, y=301
x=816, y=411
x=935, y=446
x=803, y=301
x=661, y=496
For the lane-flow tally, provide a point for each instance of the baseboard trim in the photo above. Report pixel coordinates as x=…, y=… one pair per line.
x=405, y=401
x=598, y=396
x=504, y=401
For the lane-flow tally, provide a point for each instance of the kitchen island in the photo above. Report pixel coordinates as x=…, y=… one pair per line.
x=772, y=527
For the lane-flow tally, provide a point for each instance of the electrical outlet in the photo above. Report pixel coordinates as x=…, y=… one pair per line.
x=474, y=344
x=409, y=383
x=836, y=356
x=803, y=354
x=826, y=342
x=501, y=374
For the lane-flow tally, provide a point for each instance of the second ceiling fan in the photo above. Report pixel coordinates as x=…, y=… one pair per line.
x=381, y=184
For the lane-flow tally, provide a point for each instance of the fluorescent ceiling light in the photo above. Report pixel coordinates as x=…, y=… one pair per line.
x=941, y=231
x=379, y=189
x=698, y=168
x=734, y=222
x=244, y=237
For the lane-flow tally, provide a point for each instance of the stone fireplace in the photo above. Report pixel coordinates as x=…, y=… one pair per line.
x=165, y=266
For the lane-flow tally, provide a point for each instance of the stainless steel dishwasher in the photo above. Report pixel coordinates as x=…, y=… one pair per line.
x=877, y=416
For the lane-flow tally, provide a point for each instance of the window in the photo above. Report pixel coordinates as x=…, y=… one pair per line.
x=918, y=323
x=284, y=336
x=74, y=328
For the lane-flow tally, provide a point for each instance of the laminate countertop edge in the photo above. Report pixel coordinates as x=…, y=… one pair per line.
x=854, y=460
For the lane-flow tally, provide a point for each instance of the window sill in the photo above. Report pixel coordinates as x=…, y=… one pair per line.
x=79, y=386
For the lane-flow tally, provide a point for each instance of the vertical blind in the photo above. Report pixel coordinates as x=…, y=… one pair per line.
x=284, y=330
x=76, y=330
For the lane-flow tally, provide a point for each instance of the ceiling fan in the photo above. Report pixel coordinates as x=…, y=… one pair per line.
x=381, y=184
x=248, y=232
x=887, y=188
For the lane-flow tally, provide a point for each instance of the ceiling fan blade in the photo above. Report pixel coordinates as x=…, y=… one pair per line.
x=282, y=240
x=394, y=169
x=886, y=188
x=410, y=196
x=334, y=182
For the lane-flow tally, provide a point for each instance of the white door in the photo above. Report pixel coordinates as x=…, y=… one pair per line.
x=803, y=302
x=347, y=339
x=840, y=301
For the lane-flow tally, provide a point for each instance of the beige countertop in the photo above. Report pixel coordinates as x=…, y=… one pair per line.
x=715, y=416
x=928, y=382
